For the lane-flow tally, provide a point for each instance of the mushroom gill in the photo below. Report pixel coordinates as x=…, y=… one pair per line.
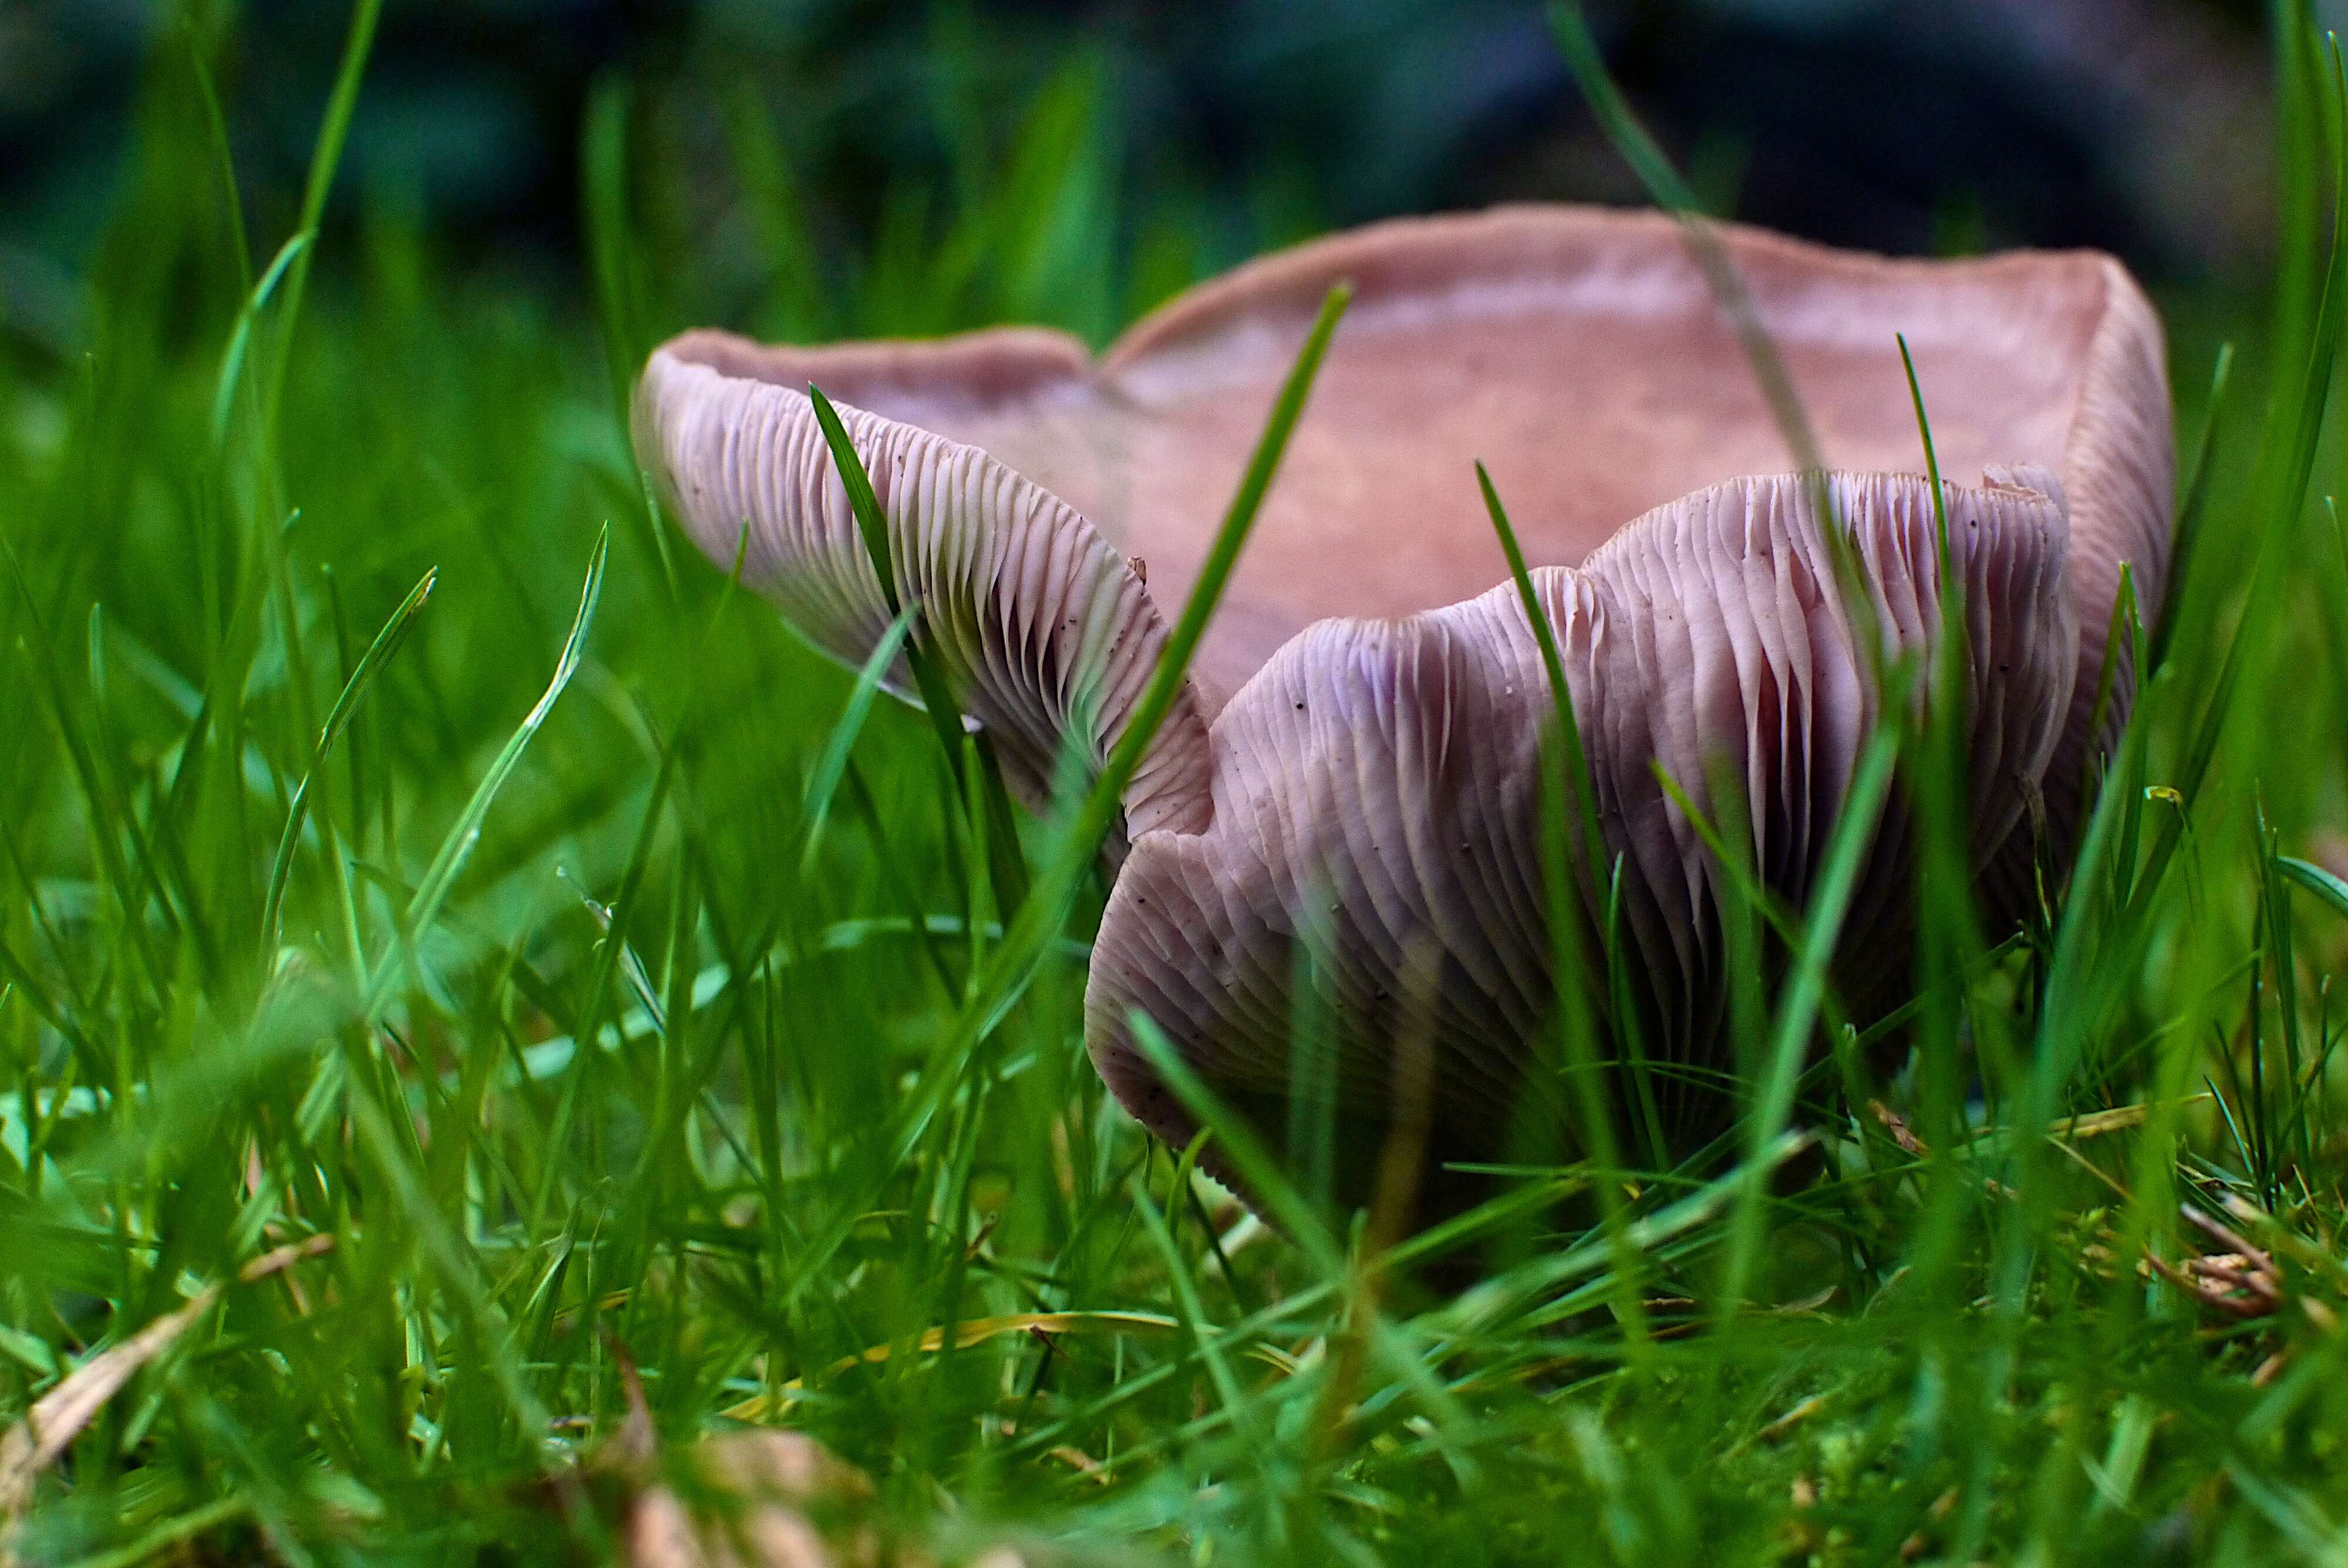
x=1358, y=764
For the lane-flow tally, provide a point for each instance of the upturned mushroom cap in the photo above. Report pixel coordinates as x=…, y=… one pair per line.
x=1358, y=761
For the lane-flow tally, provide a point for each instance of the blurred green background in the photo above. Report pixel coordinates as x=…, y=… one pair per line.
x=1907, y=126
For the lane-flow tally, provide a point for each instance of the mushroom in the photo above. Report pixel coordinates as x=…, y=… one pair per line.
x=1356, y=762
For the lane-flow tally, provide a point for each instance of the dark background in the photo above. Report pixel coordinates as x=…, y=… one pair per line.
x=1908, y=125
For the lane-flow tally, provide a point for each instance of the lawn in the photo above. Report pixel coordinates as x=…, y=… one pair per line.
x=484, y=1008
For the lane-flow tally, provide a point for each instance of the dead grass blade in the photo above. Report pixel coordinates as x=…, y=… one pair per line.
x=33, y=1444
x=977, y=1330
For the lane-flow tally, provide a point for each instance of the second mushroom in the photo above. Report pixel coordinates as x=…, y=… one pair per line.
x=1356, y=764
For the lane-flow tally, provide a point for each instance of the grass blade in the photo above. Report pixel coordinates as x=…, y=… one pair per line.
x=937, y=701
x=2188, y=534
x=2327, y=888
x=325, y=158
x=231, y=370
x=379, y=652
x=831, y=764
x=1797, y=1008
x=424, y=908
x=1569, y=729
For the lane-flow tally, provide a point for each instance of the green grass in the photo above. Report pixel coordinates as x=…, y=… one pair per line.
x=408, y=844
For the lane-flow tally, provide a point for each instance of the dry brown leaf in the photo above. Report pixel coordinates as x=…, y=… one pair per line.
x=2242, y=1281
x=1076, y=1460
x=1787, y=1422
x=750, y=1499
x=736, y=1500
x=2118, y=1119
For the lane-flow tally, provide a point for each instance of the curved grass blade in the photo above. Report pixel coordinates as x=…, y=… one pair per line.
x=832, y=762
x=988, y=806
x=2327, y=888
x=216, y=127
x=1569, y=728
x=1669, y=190
x=240, y=339
x=1949, y=582
x=441, y=875
x=1578, y=1013
x=2127, y=622
x=325, y=157
x=1797, y=1009
x=1647, y=160
x=379, y=653
x=2186, y=533
x=944, y=711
